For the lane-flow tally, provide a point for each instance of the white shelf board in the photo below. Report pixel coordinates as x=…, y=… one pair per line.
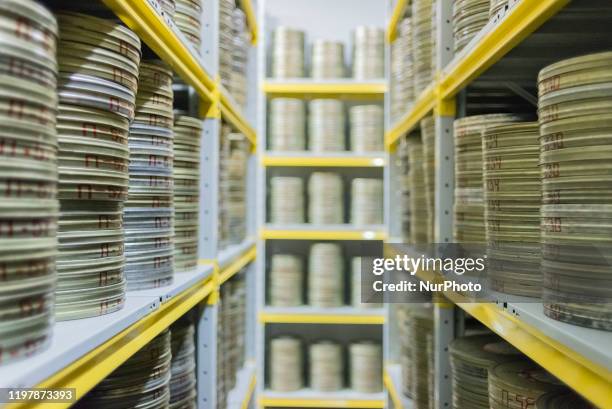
x=182, y=281
x=73, y=339
x=231, y=253
x=395, y=373
x=237, y=396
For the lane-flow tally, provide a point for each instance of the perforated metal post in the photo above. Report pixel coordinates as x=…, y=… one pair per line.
x=206, y=348
x=445, y=111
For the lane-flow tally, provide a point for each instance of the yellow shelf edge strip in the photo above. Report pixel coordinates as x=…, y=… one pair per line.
x=273, y=234
x=251, y=20
x=365, y=90
x=425, y=104
x=235, y=266
x=153, y=30
x=587, y=378
x=86, y=372
x=339, y=161
x=524, y=18
x=249, y=395
x=299, y=318
x=321, y=403
x=398, y=12
x=235, y=118
x=393, y=393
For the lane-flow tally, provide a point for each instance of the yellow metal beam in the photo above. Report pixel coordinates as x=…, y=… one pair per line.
x=234, y=117
x=298, y=318
x=274, y=234
x=393, y=393
x=247, y=399
x=425, y=104
x=249, y=11
x=141, y=17
x=89, y=370
x=588, y=378
x=322, y=161
x=321, y=403
x=344, y=90
x=524, y=18
x=235, y=266
x=398, y=12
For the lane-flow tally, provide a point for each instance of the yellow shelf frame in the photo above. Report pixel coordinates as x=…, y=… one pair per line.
x=311, y=89
x=229, y=270
x=522, y=20
x=304, y=318
x=398, y=12
x=251, y=19
x=586, y=377
x=87, y=371
x=393, y=393
x=150, y=26
x=247, y=399
x=323, y=161
x=321, y=403
x=277, y=234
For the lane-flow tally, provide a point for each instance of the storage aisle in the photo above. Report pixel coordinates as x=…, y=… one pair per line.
x=498, y=141
x=321, y=118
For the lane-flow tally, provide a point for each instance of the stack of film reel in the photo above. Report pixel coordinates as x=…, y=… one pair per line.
x=575, y=120
x=286, y=288
x=402, y=70
x=186, y=173
x=405, y=348
x=469, y=17
x=286, y=364
x=325, y=198
x=519, y=384
x=226, y=41
x=98, y=62
x=366, y=201
x=240, y=49
x=326, y=366
x=357, y=283
x=404, y=166
x=365, y=366
x=141, y=381
x=223, y=200
x=428, y=136
x=287, y=53
x=326, y=125
x=470, y=359
x=287, y=124
x=368, y=53
x=183, y=366
x=235, y=186
x=422, y=45
x=187, y=17
x=496, y=6
x=421, y=329
x=366, y=128
x=149, y=212
x=287, y=200
x=326, y=275
x=327, y=59
x=168, y=8
x=469, y=225
x=28, y=178
x=563, y=399
x=512, y=193
x=419, y=213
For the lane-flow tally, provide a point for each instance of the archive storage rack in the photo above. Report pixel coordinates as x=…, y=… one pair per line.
x=330, y=20
x=83, y=352
x=504, y=52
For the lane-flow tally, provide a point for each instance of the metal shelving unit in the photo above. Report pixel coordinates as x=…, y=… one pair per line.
x=315, y=321
x=83, y=352
x=578, y=356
